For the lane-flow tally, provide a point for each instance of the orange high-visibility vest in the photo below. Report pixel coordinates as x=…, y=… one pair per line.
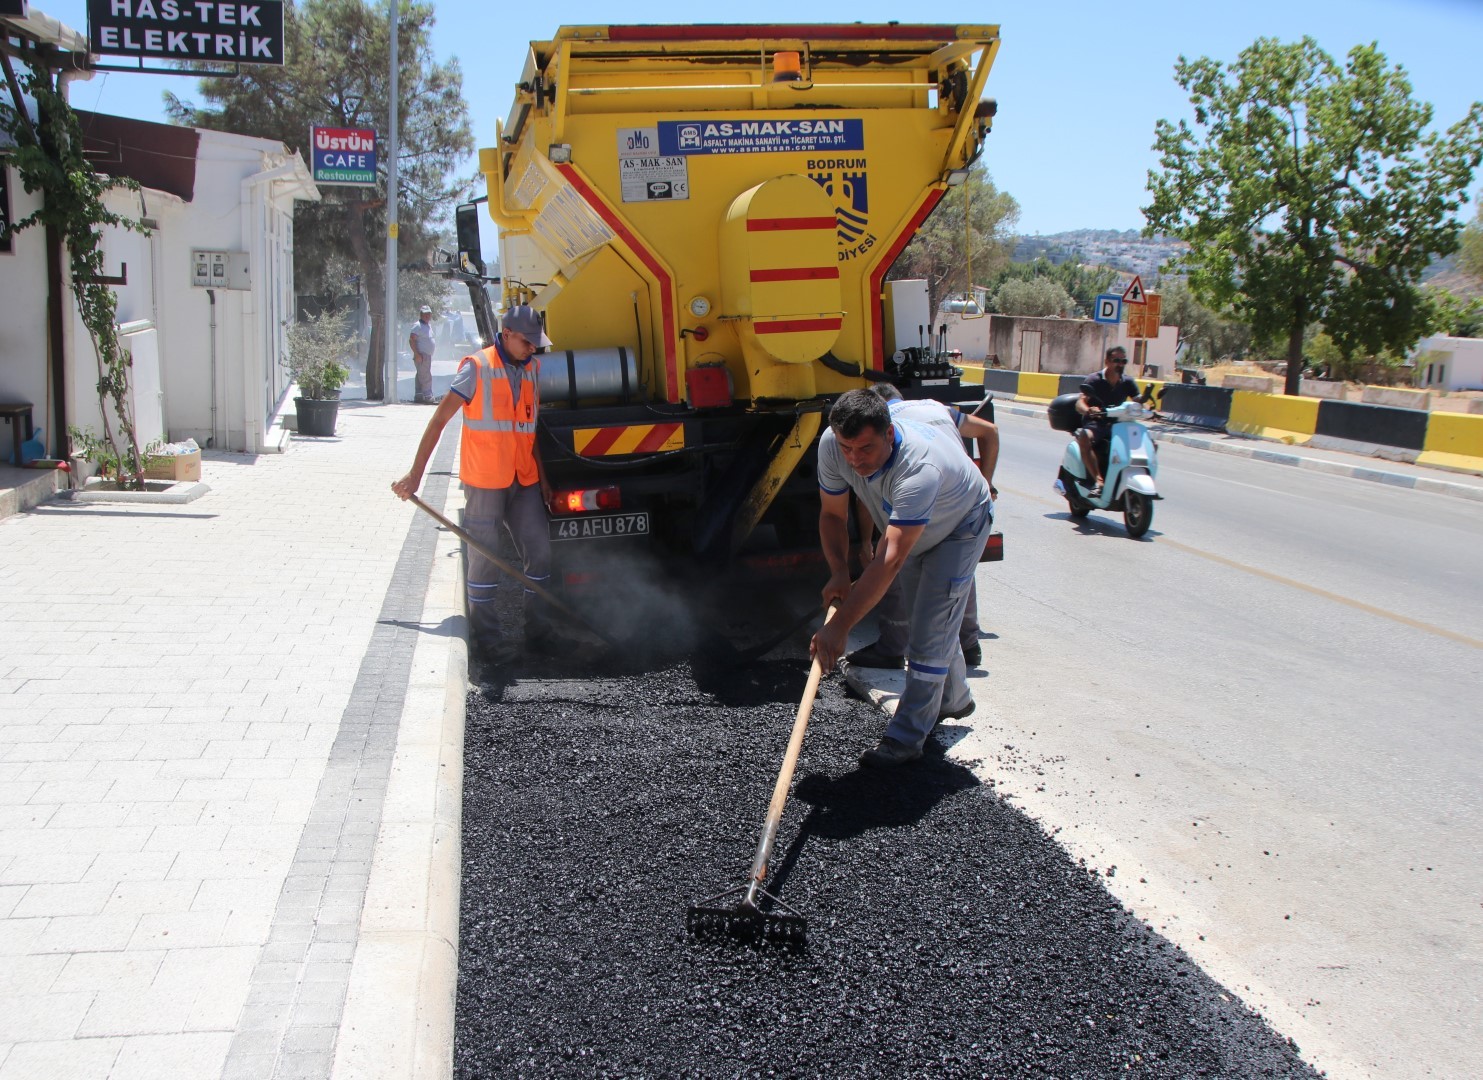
x=499, y=432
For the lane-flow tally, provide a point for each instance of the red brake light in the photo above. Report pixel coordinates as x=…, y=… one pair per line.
x=586, y=500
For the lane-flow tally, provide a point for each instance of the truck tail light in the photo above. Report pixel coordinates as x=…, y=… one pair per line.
x=586, y=500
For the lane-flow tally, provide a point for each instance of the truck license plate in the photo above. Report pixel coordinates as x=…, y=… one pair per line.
x=600, y=527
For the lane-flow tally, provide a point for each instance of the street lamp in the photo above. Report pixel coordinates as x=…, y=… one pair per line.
x=391, y=219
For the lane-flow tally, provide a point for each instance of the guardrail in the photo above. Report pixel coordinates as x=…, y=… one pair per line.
x=1445, y=440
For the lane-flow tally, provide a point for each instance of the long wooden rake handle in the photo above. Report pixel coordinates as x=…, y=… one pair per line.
x=534, y=586
x=785, y=776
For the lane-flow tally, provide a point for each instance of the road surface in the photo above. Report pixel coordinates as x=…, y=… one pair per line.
x=1261, y=723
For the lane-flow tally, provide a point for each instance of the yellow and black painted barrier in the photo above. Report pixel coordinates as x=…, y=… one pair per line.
x=1441, y=439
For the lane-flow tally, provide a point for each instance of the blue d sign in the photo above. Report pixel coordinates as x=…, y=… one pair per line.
x=1108, y=308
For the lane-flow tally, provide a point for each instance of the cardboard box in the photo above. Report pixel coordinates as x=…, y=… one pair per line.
x=175, y=467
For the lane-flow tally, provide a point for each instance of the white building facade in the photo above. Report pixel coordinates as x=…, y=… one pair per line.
x=208, y=362
x=1449, y=363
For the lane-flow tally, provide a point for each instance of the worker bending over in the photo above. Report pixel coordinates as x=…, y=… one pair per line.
x=934, y=510
x=892, y=613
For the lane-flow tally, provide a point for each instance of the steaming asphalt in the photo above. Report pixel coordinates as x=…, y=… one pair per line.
x=949, y=936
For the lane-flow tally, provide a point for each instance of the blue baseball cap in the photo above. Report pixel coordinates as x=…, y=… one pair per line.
x=522, y=319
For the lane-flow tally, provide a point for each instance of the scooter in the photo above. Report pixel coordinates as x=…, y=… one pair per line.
x=1132, y=463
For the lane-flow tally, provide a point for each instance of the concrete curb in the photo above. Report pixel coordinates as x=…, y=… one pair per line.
x=33, y=491
x=182, y=491
x=398, y=1022
x=1259, y=452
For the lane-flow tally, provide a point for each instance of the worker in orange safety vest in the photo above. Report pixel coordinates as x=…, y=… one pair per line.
x=504, y=484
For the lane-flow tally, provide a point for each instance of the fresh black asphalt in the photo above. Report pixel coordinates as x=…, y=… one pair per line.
x=948, y=935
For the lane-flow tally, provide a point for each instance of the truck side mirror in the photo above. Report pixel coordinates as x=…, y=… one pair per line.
x=466, y=220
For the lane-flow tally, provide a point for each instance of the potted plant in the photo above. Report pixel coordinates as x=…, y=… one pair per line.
x=314, y=350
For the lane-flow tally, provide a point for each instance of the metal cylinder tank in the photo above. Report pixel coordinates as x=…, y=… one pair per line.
x=589, y=377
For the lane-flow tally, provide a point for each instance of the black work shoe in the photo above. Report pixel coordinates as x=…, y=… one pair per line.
x=890, y=753
x=958, y=713
x=543, y=637
x=973, y=654
x=493, y=654
x=870, y=656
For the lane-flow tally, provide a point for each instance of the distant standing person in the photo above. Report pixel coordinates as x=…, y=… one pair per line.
x=503, y=481
x=422, y=356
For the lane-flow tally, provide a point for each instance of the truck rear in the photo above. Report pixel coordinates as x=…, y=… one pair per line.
x=706, y=215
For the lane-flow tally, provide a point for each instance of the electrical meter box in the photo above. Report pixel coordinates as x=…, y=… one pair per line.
x=908, y=322
x=219, y=270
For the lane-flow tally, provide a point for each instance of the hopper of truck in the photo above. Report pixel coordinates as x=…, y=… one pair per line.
x=706, y=215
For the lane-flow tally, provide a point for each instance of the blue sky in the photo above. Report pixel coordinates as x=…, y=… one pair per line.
x=1079, y=85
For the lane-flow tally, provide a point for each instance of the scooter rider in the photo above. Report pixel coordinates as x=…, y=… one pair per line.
x=1107, y=389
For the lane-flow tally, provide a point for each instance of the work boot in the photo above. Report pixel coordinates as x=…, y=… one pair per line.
x=973, y=654
x=889, y=753
x=871, y=656
x=497, y=652
x=543, y=628
x=958, y=713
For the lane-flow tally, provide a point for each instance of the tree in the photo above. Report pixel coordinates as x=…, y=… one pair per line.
x=1470, y=258
x=1081, y=280
x=1036, y=296
x=338, y=55
x=1457, y=316
x=1311, y=193
x=1209, y=335
x=946, y=250
x=48, y=156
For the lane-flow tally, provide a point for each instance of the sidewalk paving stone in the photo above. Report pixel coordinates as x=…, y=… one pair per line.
x=196, y=735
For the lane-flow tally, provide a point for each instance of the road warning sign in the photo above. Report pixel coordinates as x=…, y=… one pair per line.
x=1134, y=293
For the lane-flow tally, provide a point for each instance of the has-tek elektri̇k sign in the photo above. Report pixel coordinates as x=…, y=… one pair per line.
x=343, y=155
x=242, y=33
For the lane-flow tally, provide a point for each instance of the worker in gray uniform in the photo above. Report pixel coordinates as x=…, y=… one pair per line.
x=934, y=510
x=892, y=613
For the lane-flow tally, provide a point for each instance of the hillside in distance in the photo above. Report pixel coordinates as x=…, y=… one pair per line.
x=1127, y=250
x=1131, y=252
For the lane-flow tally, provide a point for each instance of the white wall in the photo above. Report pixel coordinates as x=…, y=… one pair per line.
x=1160, y=350
x=1451, y=363
x=132, y=255
x=230, y=215
x=969, y=335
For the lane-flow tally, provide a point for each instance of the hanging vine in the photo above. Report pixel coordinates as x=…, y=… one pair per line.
x=48, y=156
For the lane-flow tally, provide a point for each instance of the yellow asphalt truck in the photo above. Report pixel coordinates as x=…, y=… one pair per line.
x=706, y=215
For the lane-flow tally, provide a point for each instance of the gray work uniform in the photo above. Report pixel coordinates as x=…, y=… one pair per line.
x=422, y=358
x=892, y=613
x=929, y=481
x=519, y=508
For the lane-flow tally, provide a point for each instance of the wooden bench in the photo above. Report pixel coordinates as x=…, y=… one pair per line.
x=14, y=411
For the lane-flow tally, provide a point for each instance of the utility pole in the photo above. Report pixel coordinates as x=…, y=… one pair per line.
x=392, y=331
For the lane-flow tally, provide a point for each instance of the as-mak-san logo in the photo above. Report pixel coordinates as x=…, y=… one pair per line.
x=845, y=181
x=748, y=136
